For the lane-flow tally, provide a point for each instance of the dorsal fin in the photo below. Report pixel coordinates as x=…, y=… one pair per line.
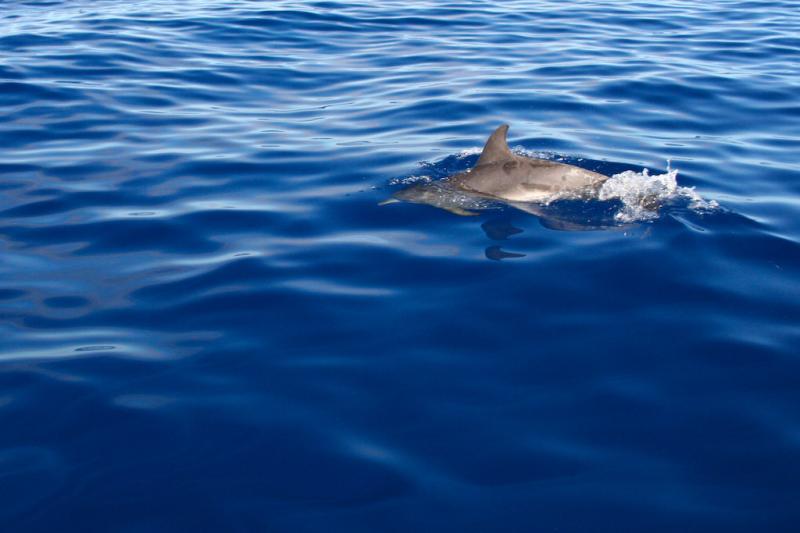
x=496, y=148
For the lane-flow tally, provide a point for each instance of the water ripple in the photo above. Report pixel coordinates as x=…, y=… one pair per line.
x=207, y=322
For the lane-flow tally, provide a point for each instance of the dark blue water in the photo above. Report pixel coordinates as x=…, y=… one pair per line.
x=207, y=323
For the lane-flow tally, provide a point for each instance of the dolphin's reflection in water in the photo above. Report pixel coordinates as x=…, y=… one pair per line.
x=551, y=217
x=499, y=229
x=495, y=253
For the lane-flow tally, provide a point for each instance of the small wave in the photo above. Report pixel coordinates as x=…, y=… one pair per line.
x=410, y=180
x=475, y=150
x=642, y=194
x=519, y=150
x=538, y=154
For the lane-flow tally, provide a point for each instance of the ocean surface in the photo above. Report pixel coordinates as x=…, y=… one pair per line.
x=209, y=323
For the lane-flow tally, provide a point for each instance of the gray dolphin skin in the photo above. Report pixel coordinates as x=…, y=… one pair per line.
x=499, y=173
x=503, y=175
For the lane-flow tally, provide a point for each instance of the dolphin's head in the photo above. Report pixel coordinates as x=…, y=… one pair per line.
x=416, y=194
x=422, y=193
x=441, y=194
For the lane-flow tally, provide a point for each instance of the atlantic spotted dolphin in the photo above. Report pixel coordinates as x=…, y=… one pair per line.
x=503, y=175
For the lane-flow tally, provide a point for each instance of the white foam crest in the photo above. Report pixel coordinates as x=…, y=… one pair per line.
x=521, y=150
x=475, y=150
x=641, y=194
x=410, y=180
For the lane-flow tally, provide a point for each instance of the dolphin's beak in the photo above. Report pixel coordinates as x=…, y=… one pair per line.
x=389, y=201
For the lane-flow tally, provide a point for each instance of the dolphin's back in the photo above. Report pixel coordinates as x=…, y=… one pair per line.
x=524, y=179
x=500, y=173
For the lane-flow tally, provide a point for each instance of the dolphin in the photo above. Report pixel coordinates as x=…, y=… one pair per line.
x=503, y=175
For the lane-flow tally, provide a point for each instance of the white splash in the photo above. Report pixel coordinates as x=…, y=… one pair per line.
x=475, y=150
x=521, y=150
x=410, y=180
x=641, y=194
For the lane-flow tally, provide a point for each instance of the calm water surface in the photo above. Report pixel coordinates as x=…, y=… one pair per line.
x=207, y=323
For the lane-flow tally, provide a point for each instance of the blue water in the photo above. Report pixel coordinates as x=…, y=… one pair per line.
x=208, y=323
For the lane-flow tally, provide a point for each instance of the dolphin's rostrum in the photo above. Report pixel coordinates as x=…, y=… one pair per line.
x=503, y=175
